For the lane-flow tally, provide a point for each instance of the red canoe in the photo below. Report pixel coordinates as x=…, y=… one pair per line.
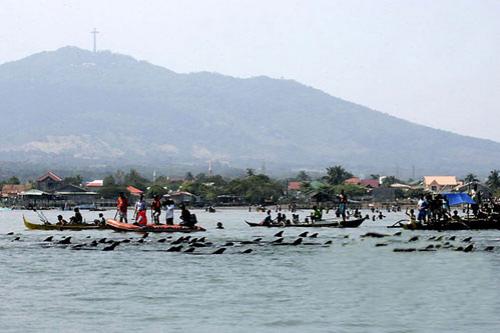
x=120, y=226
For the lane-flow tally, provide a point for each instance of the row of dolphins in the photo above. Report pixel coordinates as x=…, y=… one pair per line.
x=193, y=245
x=185, y=244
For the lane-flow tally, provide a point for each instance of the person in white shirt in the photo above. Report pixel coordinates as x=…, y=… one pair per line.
x=169, y=206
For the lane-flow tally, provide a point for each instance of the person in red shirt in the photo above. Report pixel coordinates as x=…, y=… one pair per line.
x=156, y=209
x=122, y=206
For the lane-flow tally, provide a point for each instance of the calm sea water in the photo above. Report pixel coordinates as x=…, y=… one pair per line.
x=349, y=286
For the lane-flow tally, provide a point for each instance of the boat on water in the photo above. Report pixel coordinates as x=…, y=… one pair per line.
x=465, y=224
x=120, y=226
x=50, y=226
x=318, y=224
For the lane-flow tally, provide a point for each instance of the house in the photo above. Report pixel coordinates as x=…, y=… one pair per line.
x=294, y=186
x=134, y=191
x=75, y=194
x=352, y=181
x=369, y=183
x=182, y=197
x=440, y=183
x=12, y=191
x=49, y=182
x=95, y=184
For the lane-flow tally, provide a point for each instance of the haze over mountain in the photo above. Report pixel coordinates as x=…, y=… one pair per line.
x=75, y=107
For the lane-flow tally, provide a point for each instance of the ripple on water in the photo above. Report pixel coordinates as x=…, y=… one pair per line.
x=350, y=286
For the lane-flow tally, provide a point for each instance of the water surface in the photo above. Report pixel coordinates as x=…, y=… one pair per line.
x=349, y=286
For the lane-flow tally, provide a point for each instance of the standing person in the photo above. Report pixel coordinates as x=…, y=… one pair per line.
x=156, y=209
x=169, y=207
x=422, y=209
x=122, y=206
x=140, y=211
x=343, y=204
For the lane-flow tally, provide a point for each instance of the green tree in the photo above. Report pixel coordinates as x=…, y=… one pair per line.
x=493, y=180
x=471, y=178
x=108, y=181
x=189, y=176
x=250, y=172
x=303, y=176
x=135, y=179
x=156, y=190
x=375, y=176
x=13, y=181
x=336, y=175
x=73, y=180
x=112, y=191
x=389, y=180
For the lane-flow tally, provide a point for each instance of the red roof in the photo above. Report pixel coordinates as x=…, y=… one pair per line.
x=353, y=180
x=369, y=182
x=134, y=191
x=50, y=175
x=294, y=186
x=95, y=183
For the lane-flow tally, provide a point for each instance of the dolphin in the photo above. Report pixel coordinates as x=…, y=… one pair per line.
x=48, y=239
x=413, y=239
x=328, y=242
x=66, y=240
x=278, y=241
x=304, y=234
x=279, y=234
x=219, y=251
x=247, y=251
x=111, y=247
x=468, y=239
x=469, y=248
x=190, y=250
x=315, y=235
x=162, y=240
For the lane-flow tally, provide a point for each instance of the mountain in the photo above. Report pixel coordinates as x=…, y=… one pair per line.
x=76, y=107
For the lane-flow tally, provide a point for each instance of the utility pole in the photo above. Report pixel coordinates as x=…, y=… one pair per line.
x=95, y=32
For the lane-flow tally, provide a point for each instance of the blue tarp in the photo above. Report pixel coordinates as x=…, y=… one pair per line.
x=455, y=199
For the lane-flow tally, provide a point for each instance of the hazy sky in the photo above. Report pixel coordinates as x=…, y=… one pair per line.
x=433, y=62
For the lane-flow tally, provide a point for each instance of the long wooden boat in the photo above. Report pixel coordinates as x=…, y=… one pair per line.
x=74, y=227
x=334, y=224
x=465, y=224
x=120, y=226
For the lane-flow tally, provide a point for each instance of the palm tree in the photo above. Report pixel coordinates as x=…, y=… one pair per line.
x=471, y=178
x=494, y=180
x=336, y=175
x=303, y=176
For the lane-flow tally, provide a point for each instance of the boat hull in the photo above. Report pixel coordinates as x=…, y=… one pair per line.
x=126, y=227
x=73, y=227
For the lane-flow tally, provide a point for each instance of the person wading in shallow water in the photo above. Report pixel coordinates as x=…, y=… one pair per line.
x=121, y=207
x=140, y=211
